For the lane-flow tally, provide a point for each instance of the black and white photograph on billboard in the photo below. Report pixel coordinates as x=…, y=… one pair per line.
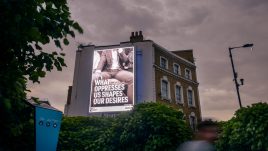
x=112, y=83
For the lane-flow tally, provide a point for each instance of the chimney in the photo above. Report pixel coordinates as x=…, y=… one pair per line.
x=136, y=36
x=132, y=36
x=140, y=36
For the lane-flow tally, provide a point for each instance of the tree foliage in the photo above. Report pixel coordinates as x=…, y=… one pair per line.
x=27, y=25
x=150, y=126
x=247, y=130
x=81, y=133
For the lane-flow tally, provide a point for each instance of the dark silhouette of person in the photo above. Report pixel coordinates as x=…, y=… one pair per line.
x=205, y=137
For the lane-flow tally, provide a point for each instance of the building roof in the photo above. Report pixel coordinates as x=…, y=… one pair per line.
x=176, y=56
x=43, y=104
x=189, y=62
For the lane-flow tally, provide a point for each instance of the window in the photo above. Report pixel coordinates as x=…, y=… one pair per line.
x=176, y=69
x=178, y=92
x=188, y=74
x=164, y=89
x=192, y=121
x=163, y=63
x=190, y=97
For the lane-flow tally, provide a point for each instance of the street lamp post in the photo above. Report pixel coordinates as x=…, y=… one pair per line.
x=237, y=84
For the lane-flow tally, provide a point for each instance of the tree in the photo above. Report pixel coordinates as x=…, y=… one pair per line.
x=151, y=126
x=81, y=133
x=27, y=25
x=247, y=130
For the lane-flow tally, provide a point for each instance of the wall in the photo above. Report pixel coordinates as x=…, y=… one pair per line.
x=81, y=82
x=79, y=104
x=173, y=79
x=152, y=74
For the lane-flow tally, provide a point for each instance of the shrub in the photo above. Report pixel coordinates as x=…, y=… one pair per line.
x=247, y=130
x=150, y=126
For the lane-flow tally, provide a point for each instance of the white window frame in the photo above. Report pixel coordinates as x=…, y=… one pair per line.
x=161, y=57
x=193, y=97
x=179, y=69
x=192, y=114
x=175, y=87
x=185, y=74
x=168, y=89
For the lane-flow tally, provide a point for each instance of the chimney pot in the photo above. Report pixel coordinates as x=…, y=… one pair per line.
x=131, y=38
x=136, y=34
x=140, y=36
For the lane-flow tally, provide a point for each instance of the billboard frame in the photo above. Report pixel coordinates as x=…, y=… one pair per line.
x=113, y=108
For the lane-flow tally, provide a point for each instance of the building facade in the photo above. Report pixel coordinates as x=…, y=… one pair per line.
x=161, y=75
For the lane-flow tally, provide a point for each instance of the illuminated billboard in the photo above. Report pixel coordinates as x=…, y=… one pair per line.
x=112, y=82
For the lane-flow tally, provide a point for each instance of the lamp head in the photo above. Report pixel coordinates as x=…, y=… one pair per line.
x=242, y=81
x=247, y=45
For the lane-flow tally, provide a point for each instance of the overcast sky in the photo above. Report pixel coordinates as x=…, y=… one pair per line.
x=208, y=27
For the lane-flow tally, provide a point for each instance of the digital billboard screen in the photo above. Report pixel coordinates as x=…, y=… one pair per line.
x=112, y=82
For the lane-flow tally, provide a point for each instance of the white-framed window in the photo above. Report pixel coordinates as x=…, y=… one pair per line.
x=190, y=96
x=188, y=73
x=178, y=93
x=165, y=90
x=192, y=121
x=176, y=69
x=163, y=62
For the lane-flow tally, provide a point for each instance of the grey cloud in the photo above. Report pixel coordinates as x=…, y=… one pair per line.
x=245, y=4
x=208, y=26
x=107, y=17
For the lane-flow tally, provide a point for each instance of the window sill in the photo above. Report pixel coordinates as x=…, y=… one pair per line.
x=180, y=103
x=191, y=106
x=166, y=99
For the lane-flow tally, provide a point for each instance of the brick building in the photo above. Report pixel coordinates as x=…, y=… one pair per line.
x=167, y=76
